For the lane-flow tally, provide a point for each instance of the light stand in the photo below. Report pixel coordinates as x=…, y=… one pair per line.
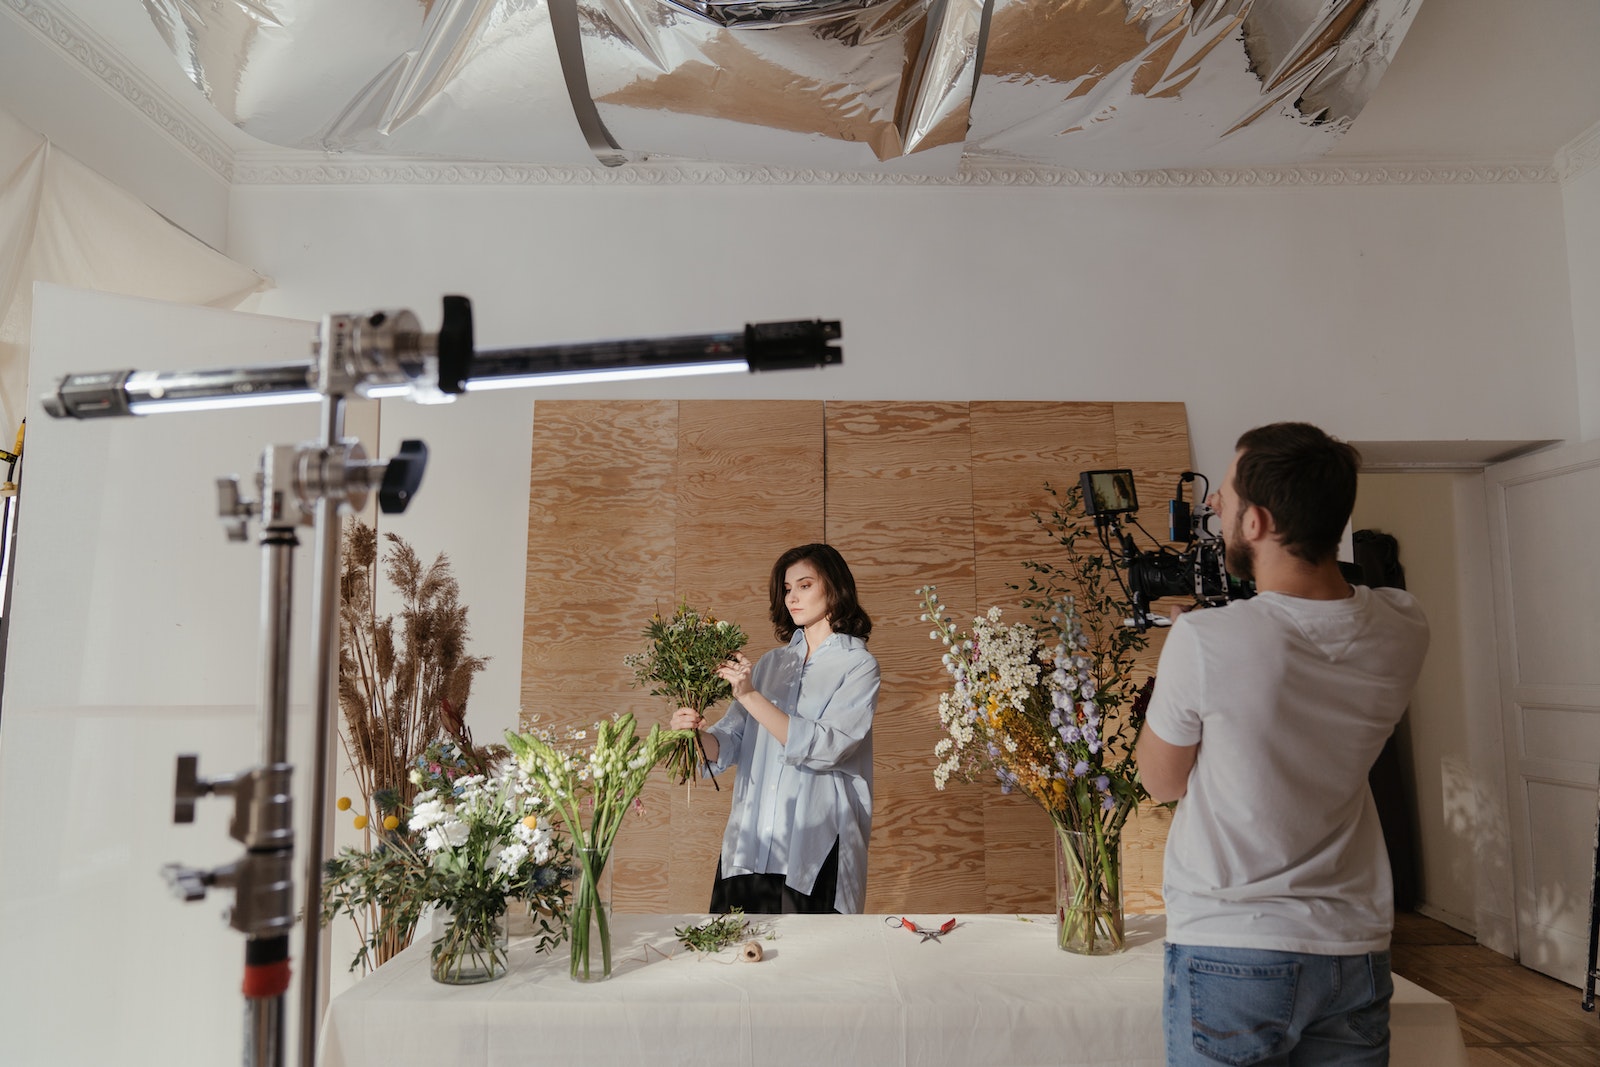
x=376, y=355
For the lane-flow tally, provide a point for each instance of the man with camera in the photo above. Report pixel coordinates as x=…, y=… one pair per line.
x=1266, y=717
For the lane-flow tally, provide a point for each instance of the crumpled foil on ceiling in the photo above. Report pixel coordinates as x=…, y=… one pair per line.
x=892, y=85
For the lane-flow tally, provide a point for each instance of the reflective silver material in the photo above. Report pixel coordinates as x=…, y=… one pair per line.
x=1146, y=84
x=885, y=85
x=854, y=91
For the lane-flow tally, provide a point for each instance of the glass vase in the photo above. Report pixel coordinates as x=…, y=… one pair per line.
x=470, y=946
x=591, y=915
x=1089, y=892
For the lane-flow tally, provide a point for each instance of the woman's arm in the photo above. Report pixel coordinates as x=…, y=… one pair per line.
x=823, y=743
x=736, y=672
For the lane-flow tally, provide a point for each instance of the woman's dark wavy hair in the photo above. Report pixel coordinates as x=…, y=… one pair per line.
x=1305, y=478
x=845, y=613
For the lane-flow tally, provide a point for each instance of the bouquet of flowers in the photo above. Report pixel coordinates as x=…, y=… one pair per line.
x=471, y=847
x=606, y=781
x=681, y=664
x=1052, y=711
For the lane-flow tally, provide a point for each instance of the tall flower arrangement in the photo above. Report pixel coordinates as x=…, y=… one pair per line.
x=470, y=844
x=605, y=782
x=404, y=682
x=1052, y=710
x=680, y=662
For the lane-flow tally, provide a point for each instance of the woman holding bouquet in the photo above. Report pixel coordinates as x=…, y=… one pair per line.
x=800, y=732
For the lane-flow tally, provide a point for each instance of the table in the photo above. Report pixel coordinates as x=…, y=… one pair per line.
x=833, y=991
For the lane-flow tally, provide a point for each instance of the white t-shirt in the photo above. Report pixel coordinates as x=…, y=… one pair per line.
x=1277, y=843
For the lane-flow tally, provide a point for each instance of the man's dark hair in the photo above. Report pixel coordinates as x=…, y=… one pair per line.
x=845, y=614
x=1305, y=478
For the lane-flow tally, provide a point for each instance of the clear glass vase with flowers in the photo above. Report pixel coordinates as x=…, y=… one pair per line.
x=1052, y=711
x=468, y=848
x=602, y=782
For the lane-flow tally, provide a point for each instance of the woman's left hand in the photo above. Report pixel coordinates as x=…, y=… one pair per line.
x=736, y=672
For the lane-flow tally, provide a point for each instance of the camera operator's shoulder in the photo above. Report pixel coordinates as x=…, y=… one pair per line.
x=1227, y=621
x=1404, y=607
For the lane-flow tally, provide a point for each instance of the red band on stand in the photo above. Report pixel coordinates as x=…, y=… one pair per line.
x=266, y=979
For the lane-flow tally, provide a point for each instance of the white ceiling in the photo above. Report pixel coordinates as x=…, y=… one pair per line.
x=1474, y=81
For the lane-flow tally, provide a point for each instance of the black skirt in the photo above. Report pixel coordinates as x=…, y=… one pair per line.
x=767, y=894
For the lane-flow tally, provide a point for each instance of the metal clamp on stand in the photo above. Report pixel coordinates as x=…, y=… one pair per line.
x=291, y=485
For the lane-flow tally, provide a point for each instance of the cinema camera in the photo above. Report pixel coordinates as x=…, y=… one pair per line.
x=1196, y=570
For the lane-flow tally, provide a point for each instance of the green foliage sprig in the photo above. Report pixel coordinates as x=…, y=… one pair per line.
x=680, y=663
x=719, y=932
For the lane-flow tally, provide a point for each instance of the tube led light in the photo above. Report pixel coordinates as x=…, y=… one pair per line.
x=217, y=403
x=605, y=374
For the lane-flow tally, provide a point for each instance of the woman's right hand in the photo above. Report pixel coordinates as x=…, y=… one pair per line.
x=687, y=719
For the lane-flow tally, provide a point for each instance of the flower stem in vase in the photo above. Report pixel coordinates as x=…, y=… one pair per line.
x=1089, y=892
x=590, y=915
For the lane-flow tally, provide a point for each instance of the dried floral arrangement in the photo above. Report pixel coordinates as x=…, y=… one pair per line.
x=404, y=681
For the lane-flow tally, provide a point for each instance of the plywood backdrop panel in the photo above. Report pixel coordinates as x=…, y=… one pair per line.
x=900, y=511
x=636, y=505
x=749, y=488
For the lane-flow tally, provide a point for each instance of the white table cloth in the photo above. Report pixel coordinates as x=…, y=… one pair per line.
x=832, y=991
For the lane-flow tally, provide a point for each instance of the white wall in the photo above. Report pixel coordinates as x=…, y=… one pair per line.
x=134, y=637
x=1382, y=313
x=1452, y=727
x=1395, y=313
x=1580, y=197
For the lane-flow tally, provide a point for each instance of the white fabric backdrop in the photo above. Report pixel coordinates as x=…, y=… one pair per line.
x=61, y=222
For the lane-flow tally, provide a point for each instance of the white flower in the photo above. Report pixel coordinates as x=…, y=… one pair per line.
x=510, y=858
x=426, y=813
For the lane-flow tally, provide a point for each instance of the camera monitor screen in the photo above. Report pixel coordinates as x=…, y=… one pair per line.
x=1108, y=492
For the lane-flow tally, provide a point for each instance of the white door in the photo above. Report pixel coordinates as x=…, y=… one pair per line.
x=1544, y=511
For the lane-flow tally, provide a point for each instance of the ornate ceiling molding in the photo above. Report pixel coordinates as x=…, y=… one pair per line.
x=101, y=60
x=298, y=169
x=1579, y=155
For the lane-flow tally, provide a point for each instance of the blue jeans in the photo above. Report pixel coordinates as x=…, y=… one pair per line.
x=1252, y=1006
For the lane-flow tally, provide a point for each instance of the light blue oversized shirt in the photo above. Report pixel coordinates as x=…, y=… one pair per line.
x=791, y=801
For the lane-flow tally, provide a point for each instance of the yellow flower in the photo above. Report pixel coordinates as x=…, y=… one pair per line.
x=390, y=822
x=361, y=822
x=344, y=804
x=531, y=822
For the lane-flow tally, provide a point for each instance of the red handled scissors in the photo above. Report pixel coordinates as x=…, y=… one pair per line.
x=927, y=934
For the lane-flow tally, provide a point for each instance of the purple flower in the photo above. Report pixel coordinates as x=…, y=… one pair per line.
x=1102, y=783
x=1108, y=803
x=1070, y=735
x=1080, y=769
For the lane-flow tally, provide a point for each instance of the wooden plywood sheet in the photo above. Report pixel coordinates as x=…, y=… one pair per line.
x=636, y=504
x=1017, y=449
x=899, y=509
x=750, y=486
x=601, y=515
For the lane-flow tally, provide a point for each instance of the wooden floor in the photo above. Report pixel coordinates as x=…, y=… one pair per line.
x=1508, y=1013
